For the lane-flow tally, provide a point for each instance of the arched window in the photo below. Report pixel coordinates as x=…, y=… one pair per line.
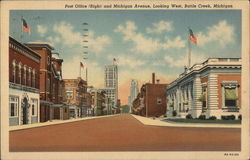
x=24, y=74
x=29, y=76
x=34, y=78
x=14, y=71
x=20, y=73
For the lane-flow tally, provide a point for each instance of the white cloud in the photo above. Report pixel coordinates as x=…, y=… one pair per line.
x=66, y=31
x=183, y=61
x=158, y=63
x=129, y=61
x=98, y=44
x=177, y=42
x=144, y=44
x=41, y=30
x=223, y=33
x=66, y=34
x=160, y=27
x=53, y=40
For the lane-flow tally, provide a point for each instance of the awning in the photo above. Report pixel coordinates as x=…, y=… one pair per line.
x=203, y=97
x=230, y=94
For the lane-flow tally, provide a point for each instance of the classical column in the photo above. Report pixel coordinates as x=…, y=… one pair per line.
x=197, y=90
x=212, y=98
x=190, y=100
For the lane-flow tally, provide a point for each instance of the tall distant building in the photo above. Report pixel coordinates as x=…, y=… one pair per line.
x=134, y=90
x=111, y=83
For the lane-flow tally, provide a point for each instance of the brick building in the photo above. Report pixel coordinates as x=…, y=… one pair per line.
x=50, y=81
x=24, y=76
x=76, y=97
x=212, y=88
x=151, y=102
x=60, y=110
x=98, y=101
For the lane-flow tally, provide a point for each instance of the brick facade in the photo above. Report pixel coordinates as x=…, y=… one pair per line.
x=24, y=76
x=151, y=101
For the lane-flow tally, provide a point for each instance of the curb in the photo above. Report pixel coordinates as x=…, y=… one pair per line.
x=151, y=122
x=56, y=122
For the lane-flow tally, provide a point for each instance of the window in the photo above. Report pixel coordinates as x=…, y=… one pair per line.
x=34, y=105
x=19, y=73
x=13, y=100
x=24, y=74
x=14, y=71
x=65, y=110
x=34, y=78
x=158, y=100
x=230, y=97
x=69, y=94
x=33, y=109
x=29, y=77
x=203, y=98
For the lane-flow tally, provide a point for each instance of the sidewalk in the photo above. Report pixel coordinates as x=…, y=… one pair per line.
x=157, y=122
x=53, y=122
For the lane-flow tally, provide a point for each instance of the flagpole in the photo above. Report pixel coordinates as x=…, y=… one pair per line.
x=21, y=37
x=189, y=54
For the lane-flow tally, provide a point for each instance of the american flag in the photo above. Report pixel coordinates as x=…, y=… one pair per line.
x=192, y=37
x=25, y=26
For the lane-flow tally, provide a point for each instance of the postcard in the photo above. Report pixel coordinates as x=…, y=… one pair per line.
x=124, y=80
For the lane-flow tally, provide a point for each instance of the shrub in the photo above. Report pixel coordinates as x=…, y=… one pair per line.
x=240, y=117
x=212, y=118
x=231, y=117
x=189, y=116
x=174, y=113
x=202, y=117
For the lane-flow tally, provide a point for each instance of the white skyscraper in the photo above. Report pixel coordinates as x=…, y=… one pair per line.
x=134, y=90
x=111, y=82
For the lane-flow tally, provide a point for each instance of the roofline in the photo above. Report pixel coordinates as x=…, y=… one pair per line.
x=26, y=47
x=39, y=44
x=199, y=70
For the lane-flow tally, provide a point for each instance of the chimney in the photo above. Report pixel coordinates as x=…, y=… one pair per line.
x=158, y=81
x=153, y=78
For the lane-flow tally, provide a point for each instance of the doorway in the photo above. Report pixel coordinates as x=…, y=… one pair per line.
x=25, y=111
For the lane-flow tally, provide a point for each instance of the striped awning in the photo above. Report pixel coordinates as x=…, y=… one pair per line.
x=230, y=94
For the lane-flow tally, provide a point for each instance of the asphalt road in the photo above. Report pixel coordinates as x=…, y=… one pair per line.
x=122, y=133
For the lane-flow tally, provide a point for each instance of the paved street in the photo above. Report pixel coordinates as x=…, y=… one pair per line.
x=123, y=133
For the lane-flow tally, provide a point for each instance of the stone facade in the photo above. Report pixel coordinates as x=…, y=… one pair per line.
x=212, y=88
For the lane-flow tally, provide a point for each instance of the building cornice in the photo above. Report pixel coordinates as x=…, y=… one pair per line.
x=23, y=49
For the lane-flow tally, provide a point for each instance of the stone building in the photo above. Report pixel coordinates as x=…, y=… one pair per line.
x=111, y=83
x=134, y=90
x=212, y=88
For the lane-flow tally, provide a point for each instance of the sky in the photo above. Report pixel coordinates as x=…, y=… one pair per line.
x=142, y=41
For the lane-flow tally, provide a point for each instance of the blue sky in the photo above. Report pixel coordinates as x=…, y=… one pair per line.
x=142, y=41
